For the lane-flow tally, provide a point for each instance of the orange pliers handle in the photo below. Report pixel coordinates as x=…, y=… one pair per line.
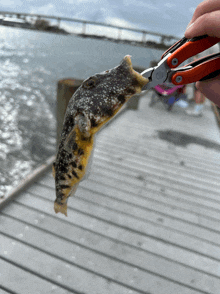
x=201, y=69
x=168, y=70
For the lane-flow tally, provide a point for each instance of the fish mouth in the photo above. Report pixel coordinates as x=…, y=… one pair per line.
x=127, y=58
x=142, y=81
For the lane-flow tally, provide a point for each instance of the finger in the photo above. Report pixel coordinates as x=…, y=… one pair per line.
x=208, y=23
x=204, y=7
x=211, y=89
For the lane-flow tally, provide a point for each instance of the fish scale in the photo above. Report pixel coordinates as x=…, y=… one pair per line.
x=95, y=102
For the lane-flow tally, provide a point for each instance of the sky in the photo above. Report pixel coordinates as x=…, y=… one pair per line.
x=164, y=16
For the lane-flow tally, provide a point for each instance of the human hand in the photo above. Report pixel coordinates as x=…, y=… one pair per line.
x=206, y=20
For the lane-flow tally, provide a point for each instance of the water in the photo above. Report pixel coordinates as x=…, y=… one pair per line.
x=31, y=63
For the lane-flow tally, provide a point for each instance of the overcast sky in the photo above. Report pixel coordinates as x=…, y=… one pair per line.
x=164, y=16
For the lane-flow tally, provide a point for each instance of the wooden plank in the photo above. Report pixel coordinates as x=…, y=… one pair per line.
x=111, y=197
x=139, y=160
x=64, y=272
x=132, y=203
x=74, y=278
x=142, y=178
x=149, y=203
x=147, y=141
x=93, y=247
x=155, y=190
x=153, y=230
x=141, y=213
x=157, y=149
x=20, y=281
x=3, y=290
x=161, y=196
x=138, y=171
x=175, y=211
x=166, y=179
x=208, y=196
x=149, y=144
x=174, y=206
x=136, y=236
x=180, y=197
x=130, y=174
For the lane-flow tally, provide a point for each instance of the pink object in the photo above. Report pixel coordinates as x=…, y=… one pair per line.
x=161, y=90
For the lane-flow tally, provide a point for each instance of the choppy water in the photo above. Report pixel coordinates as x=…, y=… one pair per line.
x=31, y=63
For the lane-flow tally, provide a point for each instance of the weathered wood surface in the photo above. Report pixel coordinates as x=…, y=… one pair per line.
x=145, y=221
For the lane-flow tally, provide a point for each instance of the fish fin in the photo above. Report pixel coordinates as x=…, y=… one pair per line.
x=58, y=207
x=70, y=140
x=53, y=170
x=73, y=190
x=84, y=124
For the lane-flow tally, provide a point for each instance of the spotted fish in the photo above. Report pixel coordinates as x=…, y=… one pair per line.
x=94, y=103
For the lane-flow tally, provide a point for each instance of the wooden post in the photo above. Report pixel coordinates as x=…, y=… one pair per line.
x=65, y=90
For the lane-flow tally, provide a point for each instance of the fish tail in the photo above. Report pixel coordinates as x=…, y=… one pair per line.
x=60, y=207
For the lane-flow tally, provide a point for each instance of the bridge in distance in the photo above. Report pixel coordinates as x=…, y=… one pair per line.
x=86, y=28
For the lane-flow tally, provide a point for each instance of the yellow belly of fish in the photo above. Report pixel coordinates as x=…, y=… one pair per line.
x=81, y=160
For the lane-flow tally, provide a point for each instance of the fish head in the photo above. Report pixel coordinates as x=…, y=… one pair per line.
x=101, y=96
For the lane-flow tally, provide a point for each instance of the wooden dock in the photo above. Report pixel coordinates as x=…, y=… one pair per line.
x=147, y=220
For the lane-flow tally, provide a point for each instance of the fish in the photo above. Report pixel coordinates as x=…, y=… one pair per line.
x=95, y=102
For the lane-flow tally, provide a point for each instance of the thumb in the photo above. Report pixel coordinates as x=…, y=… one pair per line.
x=211, y=89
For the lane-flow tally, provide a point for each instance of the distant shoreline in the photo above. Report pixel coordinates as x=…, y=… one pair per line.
x=147, y=44
x=44, y=26
x=40, y=25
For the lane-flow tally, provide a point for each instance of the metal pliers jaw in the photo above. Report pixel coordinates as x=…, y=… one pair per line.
x=157, y=75
x=167, y=70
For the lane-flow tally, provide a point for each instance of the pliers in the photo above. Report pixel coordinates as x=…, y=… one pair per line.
x=167, y=70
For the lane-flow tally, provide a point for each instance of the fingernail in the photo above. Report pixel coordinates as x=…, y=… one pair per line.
x=189, y=26
x=188, y=30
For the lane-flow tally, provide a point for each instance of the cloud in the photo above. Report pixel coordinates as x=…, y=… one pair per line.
x=48, y=9
x=142, y=4
x=11, y=3
x=169, y=5
x=119, y=22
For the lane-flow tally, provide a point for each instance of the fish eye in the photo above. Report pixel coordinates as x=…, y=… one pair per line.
x=90, y=83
